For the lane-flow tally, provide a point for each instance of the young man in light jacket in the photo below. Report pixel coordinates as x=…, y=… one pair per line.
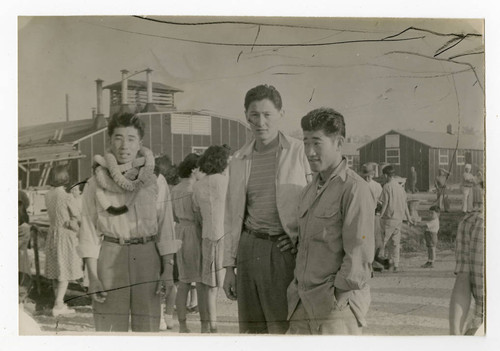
x=266, y=177
x=330, y=292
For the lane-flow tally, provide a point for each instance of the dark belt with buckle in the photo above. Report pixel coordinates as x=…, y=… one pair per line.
x=133, y=241
x=262, y=235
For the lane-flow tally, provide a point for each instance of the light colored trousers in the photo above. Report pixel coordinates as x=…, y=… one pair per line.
x=391, y=231
x=129, y=274
x=467, y=204
x=339, y=322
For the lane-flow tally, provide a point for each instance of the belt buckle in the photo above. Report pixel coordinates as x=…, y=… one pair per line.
x=122, y=242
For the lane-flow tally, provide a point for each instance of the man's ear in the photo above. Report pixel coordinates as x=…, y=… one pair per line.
x=282, y=113
x=340, y=141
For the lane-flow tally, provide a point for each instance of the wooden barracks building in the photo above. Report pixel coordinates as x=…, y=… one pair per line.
x=169, y=131
x=427, y=152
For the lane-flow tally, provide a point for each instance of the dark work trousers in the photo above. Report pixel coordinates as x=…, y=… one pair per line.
x=263, y=276
x=130, y=273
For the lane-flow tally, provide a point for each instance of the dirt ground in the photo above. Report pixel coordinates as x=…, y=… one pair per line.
x=413, y=301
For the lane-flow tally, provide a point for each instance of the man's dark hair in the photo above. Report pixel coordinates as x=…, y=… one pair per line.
x=262, y=92
x=126, y=120
x=325, y=119
x=214, y=159
x=162, y=165
x=389, y=171
x=435, y=209
x=189, y=163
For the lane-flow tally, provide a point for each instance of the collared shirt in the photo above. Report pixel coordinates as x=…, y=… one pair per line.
x=149, y=214
x=469, y=255
x=440, y=182
x=376, y=191
x=336, y=245
x=393, y=201
x=468, y=180
x=433, y=225
x=291, y=177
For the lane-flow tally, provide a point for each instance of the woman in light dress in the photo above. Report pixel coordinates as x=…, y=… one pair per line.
x=209, y=195
x=62, y=261
x=188, y=230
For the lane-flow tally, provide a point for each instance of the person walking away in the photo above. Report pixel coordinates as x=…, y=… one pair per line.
x=413, y=180
x=266, y=177
x=189, y=232
x=127, y=236
x=394, y=210
x=440, y=185
x=469, y=271
x=431, y=235
x=477, y=191
x=467, y=184
x=367, y=173
x=330, y=293
x=209, y=196
x=62, y=262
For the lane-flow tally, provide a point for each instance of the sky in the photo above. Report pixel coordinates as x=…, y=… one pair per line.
x=376, y=76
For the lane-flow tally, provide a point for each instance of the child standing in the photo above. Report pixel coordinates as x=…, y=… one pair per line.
x=432, y=229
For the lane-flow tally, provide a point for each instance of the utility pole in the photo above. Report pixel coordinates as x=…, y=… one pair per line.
x=67, y=107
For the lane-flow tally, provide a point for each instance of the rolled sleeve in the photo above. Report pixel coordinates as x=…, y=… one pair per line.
x=358, y=240
x=167, y=243
x=89, y=242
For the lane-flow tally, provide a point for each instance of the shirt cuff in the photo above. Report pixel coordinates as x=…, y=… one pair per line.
x=229, y=262
x=88, y=250
x=349, y=284
x=166, y=247
x=461, y=268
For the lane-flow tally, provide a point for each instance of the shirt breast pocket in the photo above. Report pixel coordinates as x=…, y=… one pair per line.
x=329, y=218
x=145, y=208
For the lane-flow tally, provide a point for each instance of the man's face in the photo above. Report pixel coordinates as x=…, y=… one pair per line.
x=321, y=150
x=263, y=118
x=125, y=144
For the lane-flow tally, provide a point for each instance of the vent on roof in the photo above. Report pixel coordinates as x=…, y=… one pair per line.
x=448, y=129
x=191, y=124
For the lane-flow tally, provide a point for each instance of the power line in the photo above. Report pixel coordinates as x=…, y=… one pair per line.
x=247, y=23
x=260, y=45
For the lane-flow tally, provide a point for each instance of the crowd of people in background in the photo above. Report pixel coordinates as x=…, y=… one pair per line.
x=284, y=226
